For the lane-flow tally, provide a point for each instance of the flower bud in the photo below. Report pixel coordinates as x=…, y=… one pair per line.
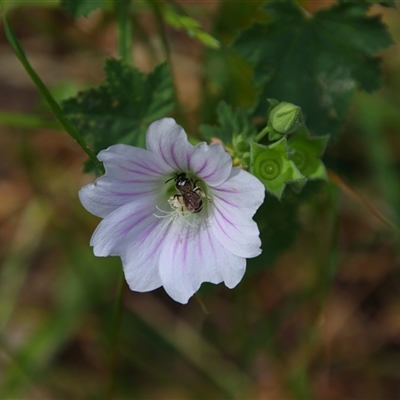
x=286, y=118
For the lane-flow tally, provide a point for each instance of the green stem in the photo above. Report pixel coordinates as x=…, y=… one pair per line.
x=261, y=134
x=64, y=121
x=26, y=121
x=122, y=8
x=156, y=6
x=114, y=335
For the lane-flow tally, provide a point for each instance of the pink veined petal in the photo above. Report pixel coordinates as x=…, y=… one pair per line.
x=106, y=195
x=131, y=173
x=241, y=190
x=136, y=235
x=126, y=225
x=123, y=159
x=211, y=163
x=169, y=141
x=191, y=256
x=166, y=139
x=234, y=204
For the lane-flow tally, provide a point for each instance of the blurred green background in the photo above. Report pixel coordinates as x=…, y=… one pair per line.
x=318, y=320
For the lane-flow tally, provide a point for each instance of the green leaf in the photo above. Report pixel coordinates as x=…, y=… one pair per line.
x=81, y=8
x=316, y=62
x=241, y=14
x=231, y=124
x=121, y=108
x=191, y=26
x=385, y=3
x=272, y=165
x=306, y=153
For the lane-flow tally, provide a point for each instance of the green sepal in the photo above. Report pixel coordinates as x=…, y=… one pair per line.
x=272, y=104
x=273, y=167
x=306, y=151
x=272, y=134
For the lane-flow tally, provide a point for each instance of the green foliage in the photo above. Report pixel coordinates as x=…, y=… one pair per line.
x=315, y=61
x=81, y=8
x=385, y=3
x=231, y=124
x=235, y=130
x=191, y=26
x=273, y=167
x=121, y=108
x=306, y=153
x=241, y=14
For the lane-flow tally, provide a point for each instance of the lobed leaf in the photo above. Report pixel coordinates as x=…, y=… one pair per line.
x=316, y=62
x=121, y=108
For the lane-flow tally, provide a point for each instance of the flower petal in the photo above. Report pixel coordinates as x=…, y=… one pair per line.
x=211, y=163
x=166, y=139
x=131, y=173
x=169, y=141
x=136, y=235
x=234, y=204
x=192, y=255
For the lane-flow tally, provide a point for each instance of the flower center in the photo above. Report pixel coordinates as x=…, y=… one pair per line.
x=187, y=201
x=187, y=194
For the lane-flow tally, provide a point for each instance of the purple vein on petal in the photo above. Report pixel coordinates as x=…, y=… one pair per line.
x=155, y=246
x=210, y=174
x=141, y=192
x=202, y=167
x=139, y=172
x=235, y=191
x=161, y=152
x=134, y=224
x=229, y=222
x=185, y=245
x=223, y=199
x=200, y=246
x=211, y=244
x=177, y=239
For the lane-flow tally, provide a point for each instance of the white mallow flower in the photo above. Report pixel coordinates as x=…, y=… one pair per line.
x=177, y=214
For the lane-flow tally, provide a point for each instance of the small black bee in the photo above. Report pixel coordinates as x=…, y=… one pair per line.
x=190, y=195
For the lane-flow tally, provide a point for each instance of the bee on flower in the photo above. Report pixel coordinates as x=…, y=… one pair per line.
x=178, y=215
